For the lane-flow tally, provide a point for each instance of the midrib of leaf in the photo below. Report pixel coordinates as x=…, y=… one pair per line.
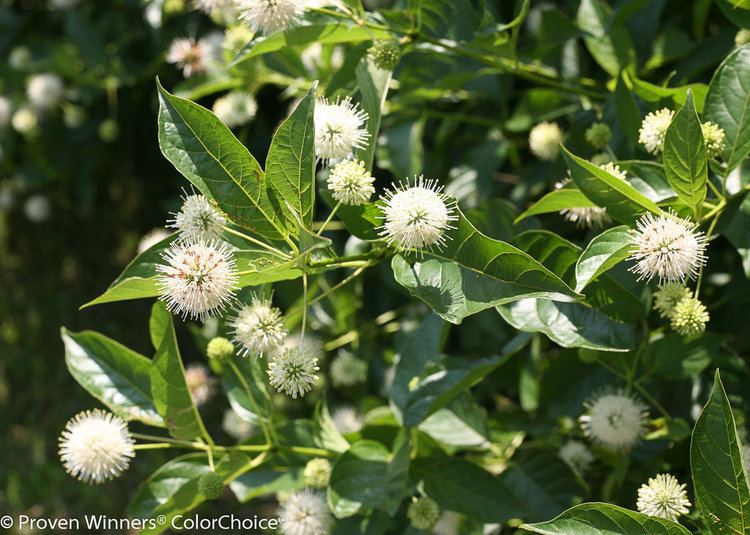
x=298, y=157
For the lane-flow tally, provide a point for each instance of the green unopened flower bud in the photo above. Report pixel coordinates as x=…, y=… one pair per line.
x=599, y=135
x=109, y=130
x=423, y=513
x=385, y=54
x=211, y=485
x=667, y=297
x=317, y=473
x=742, y=37
x=713, y=137
x=689, y=317
x=220, y=348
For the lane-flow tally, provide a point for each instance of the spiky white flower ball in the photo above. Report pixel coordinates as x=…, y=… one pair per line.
x=24, y=120
x=197, y=219
x=188, y=54
x=198, y=279
x=6, y=112
x=346, y=420
x=347, y=370
x=258, y=327
x=151, y=238
x=269, y=16
x=664, y=497
x=199, y=383
x=418, y=216
x=235, y=109
x=576, y=455
x=654, y=130
x=544, y=141
x=667, y=297
x=236, y=37
x=317, y=473
x=208, y=6
x=293, y=372
x=583, y=216
x=44, y=90
x=423, y=513
x=235, y=426
x=689, y=317
x=37, y=208
x=714, y=138
x=667, y=247
x=306, y=512
x=339, y=129
x=614, y=419
x=351, y=183
x=96, y=446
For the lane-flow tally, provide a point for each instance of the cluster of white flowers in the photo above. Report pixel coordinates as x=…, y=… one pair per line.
x=306, y=513
x=351, y=183
x=339, y=129
x=544, y=141
x=346, y=420
x=664, y=497
x=269, y=16
x=197, y=219
x=654, y=130
x=189, y=54
x=235, y=108
x=44, y=91
x=614, y=419
x=293, y=372
x=96, y=446
x=258, y=327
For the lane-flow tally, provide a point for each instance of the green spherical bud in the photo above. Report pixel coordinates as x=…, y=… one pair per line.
x=599, y=135
x=667, y=297
x=317, y=473
x=211, y=485
x=74, y=116
x=423, y=513
x=689, y=317
x=742, y=37
x=385, y=54
x=220, y=348
x=601, y=158
x=109, y=130
x=713, y=137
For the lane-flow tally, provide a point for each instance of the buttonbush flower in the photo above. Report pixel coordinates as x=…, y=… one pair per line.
x=614, y=419
x=544, y=141
x=199, y=383
x=654, y=130
x=236, y=37
x=664, y=497
x=689, y=317
x=598, y=135
x=714, y=138
x=667, y=247
x=235, y=108
x=350, y=183
x=667, y=297
x=615, y=171
x=24, y=120
x=208, y=6
x=233, y=424
x=339, y=129
x=346, y=420
x=317, y=473
x=44, y=90
x=188, y=54
x=96, y=446
x=269, y=16
x=306, y=513
x=197, y=219
x=385, y=54
x=423, y=513
x=417, y=217
x=258, y=328
x=576, y=455
x=293, y=372
x=219, y=348
x=348, y=370
x=198, y=279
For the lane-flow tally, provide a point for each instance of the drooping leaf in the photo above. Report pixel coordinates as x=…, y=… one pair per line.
x=721, y=485
x=605, y=519
x=113, y=374
x=603, y=252
x=685, y=158
x=609, y=44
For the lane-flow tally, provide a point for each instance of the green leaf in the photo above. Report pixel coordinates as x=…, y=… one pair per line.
x=556, y=201
x=113, y=374
x=737, y=230
x=244, y=381
x=208, y=154
x=605, y=519
x=721, y=485
x=445, y=379
x=324, y=33
x=326, y=435
x=462, y=486
x=463, y=423
x=473, y=272
x=678, y=358
x=290, y=165
x=656, y=93
x=373, y=86
x=685, y=159
x=168, y=387
x=362, y=221
x=603, y=253
x=622, y=201
x=366, y=476
x=728, y=104
x=648, y=178
x=626, y=111
x=273, y=476
x=609, y=44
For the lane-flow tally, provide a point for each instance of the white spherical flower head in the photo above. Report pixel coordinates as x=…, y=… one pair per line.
x=96, y=446
x=615, y=171
x=544, y=141
x=714, y=138
x=189, y=55
x=258, y=328
x=417, y=217
x=350, y=183
x=614, y=419
x=24, y=120
x=583, y=216
x=664, y=497
x=654, y=130
x=199, y=383
x=198, y=279
x=306, y=512
x=235, y=109
x=346, y=420
x=576, y=455
x=293, y=372
x=269, y=16
x=667, y=247
x=44, y=90
x=339, y=129
x=197, y=219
